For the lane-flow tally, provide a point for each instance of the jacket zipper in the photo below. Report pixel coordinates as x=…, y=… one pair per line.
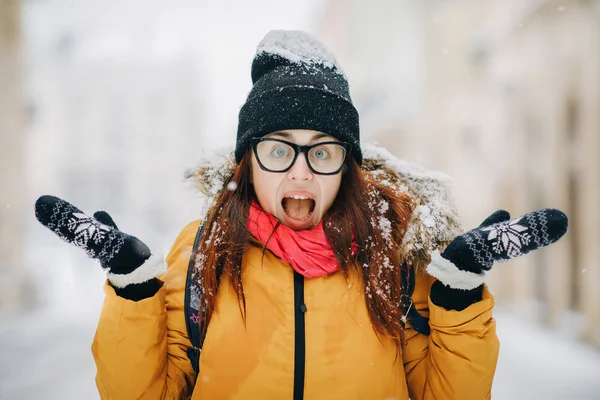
x=299, y=336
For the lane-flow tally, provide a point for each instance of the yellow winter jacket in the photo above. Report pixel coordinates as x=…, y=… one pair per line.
x=140, y=347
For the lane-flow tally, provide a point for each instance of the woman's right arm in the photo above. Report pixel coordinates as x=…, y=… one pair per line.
x=141, y=340
x=140, y=346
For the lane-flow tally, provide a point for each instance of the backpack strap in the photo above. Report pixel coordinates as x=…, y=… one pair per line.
x=194, y=318
x=417, y=322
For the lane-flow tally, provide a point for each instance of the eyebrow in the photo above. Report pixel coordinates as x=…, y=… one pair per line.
x=286, y=135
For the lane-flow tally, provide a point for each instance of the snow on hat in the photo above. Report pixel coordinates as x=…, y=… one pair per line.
x=297, y=84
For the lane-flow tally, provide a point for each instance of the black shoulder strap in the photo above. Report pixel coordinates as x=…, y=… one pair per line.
x=417, y=322
x=194, y=318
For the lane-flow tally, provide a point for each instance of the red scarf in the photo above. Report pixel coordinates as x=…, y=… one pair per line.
x=308, y=251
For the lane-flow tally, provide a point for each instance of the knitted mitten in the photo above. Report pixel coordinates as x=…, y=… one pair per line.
x=467, y=259
x=126, y=259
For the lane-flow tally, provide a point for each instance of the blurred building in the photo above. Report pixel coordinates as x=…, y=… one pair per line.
x=13, y=275
x=505, y=97
x=380, y=45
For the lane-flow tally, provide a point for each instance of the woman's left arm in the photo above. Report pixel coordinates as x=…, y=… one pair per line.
x=457, y=360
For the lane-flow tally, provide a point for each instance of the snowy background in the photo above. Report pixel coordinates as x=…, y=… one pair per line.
x=120, y=98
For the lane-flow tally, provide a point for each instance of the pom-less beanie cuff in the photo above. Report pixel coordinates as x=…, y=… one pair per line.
x=298, y=108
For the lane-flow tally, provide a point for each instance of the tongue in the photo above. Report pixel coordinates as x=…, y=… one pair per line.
x=297, y=208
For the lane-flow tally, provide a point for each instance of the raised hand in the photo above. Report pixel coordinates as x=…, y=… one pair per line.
x=126, y=258
x=464, y=263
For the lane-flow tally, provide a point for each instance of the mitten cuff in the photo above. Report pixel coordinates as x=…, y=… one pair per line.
x=454, y=299
x=151, y=268
x=139, y=291
x=450, y=275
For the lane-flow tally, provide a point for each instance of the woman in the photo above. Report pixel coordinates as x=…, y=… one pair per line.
x=302, y=261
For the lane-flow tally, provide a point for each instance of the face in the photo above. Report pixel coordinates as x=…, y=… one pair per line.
x=298, y=198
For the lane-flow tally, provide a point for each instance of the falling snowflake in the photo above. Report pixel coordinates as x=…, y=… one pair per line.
x=86, y=229
x=508, y=237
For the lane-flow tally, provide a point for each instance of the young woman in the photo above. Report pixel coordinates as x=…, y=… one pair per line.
x=325, y=270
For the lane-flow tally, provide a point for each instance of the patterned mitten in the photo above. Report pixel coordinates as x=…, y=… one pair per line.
x=126, y=259
x=467, y=259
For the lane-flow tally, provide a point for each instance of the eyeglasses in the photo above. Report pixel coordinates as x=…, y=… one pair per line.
x=276, y=155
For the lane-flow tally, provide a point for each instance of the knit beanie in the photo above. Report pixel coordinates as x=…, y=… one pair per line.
x=297, y=84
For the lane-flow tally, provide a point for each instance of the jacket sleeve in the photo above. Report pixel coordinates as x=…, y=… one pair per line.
x=140, y=347
x=458, y=358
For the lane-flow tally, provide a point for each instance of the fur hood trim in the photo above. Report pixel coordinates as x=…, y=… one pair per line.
x=434, y=223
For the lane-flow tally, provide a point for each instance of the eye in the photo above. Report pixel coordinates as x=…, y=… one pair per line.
x=320, y=153
x=280, y=150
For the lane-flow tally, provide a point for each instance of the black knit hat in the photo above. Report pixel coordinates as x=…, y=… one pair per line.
x=297, y=84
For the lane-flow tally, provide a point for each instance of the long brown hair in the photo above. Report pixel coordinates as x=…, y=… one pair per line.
x=377, y=230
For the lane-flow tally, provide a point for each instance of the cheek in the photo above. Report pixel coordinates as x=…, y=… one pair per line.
x=329, y=190
x=265, y=187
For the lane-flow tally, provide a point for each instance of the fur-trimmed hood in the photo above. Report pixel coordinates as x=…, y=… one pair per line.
x=434, y=222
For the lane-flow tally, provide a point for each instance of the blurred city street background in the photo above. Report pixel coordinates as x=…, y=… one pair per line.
x=106, y=103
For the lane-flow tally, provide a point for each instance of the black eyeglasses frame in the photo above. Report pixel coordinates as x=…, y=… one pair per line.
x=297, y=150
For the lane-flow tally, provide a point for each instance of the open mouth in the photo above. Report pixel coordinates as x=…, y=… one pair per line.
x=298, y=207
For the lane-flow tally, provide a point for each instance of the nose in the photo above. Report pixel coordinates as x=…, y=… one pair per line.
x=300, y=170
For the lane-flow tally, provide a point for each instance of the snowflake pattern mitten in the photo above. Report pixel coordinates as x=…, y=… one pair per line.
x=467, y=259
x=126, y=259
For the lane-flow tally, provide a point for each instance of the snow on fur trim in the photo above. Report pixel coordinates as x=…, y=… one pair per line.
x=446, y=272
x=151, y=268
x=435, y=220
x=211, y=174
